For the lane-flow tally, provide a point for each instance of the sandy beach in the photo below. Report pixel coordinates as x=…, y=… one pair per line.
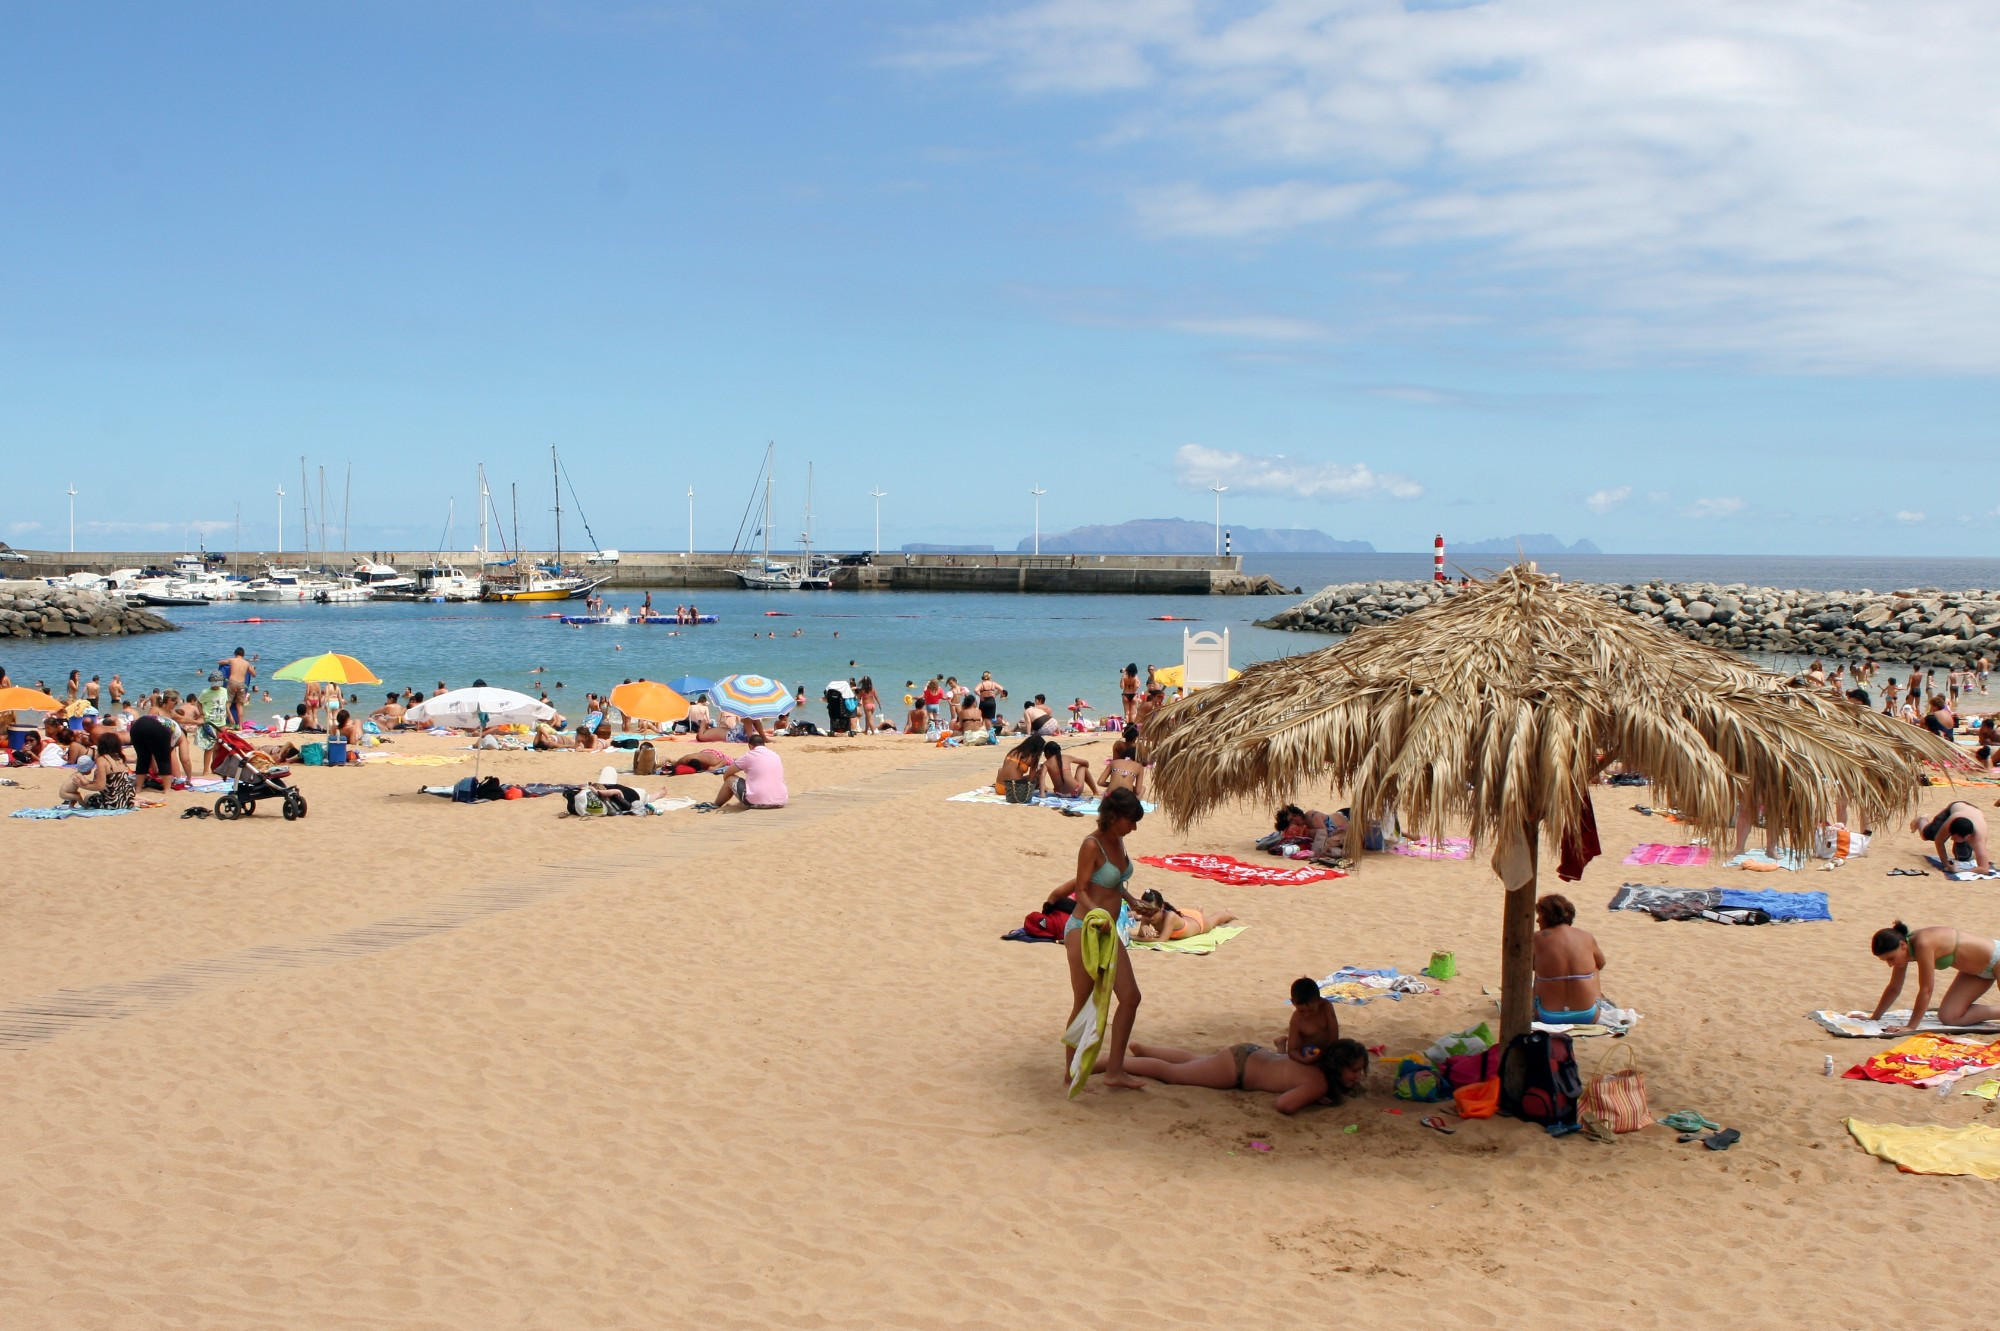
x=412, y=1064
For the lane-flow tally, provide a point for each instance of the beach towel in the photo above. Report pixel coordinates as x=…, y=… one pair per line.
x=1852, y=1026
x=1198, y=946
x=1758, y=861
x=1426, y=848
x=1228, y=869
x=1086, y=1033
x=1360, y=984
x=406, y=759
x=1927, y=1060
x=67, y=811
x=1653, y=852
x=1932, y=1148
x=1083, y=805
x=1666, y=903
x=1782, y=907
x=1960, y=875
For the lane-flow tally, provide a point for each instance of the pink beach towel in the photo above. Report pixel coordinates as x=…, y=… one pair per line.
x=1423, y=848
x=1654, y=852
x=1228, y=869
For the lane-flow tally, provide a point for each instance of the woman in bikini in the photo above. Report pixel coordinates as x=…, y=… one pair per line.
x=1567, y=963
x=1934, y=949
x=1128, y=688
x=1103, y=868
x=1124, y=772
x=1161, y=920
x=1338, y=1071
x=1067, y=776
x=1022, y=763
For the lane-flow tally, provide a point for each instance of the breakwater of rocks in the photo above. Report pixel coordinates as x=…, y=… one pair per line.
x=1919, y=626
x=37, y=610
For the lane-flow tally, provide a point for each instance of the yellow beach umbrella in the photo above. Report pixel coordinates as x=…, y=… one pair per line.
x=647, y=700
x=1171, y=676
x=327, y=668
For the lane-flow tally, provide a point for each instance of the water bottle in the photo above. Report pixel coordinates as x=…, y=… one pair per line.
x=1829, y=1065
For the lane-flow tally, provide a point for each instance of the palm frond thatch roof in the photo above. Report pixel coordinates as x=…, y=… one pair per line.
x=1495, y=710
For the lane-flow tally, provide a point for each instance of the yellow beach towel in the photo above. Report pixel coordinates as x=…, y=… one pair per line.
x=1932, y=1148
x=1200, y=945
x=1086, y=1033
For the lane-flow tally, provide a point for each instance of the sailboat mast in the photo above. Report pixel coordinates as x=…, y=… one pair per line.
x=346, y=511
x=485, y=503
x=555, y=478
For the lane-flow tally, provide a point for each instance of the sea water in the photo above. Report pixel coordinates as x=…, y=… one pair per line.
x=1065, y=646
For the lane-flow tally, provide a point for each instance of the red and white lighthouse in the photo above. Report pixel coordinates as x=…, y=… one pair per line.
x=1437, y=560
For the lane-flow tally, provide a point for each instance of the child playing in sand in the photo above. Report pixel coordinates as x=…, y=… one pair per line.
x=1314, y=1026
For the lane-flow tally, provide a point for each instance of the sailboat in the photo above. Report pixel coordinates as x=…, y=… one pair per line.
x=550, y=583
x=766, y=574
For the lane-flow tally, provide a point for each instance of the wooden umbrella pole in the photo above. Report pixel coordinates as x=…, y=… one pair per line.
x=1517, y=951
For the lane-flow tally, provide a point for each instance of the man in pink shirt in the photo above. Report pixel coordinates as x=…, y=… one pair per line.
x=757, y=778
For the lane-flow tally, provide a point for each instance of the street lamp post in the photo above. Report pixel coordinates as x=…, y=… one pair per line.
x=690, y=522
x=878, y=494
x=1038, y=492
x=281, y=520
x=1217, y=490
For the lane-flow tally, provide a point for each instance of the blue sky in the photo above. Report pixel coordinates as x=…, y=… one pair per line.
x=1687, y=276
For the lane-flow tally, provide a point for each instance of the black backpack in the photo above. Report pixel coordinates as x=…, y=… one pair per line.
x=1539, y=1080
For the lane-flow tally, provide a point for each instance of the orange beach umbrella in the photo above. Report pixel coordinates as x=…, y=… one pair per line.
x=18, y=699
x=649, y=701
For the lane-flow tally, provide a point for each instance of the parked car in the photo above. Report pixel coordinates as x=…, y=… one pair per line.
x=9, y=555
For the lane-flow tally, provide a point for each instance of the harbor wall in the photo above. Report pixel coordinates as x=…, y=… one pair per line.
x=37, y=610
x=1917, y=626
x=708, y=569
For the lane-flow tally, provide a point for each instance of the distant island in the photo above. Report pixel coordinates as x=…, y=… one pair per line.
x=1534, y=543
x=1180, y=536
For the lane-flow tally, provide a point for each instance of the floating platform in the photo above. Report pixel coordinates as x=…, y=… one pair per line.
x=635, y=619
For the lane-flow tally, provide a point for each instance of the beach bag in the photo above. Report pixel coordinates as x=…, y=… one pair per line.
x=1539, y=1080
x=464, y=790
x=1834, y=842
x=587, y=803
x=1617, y=1099
x=1020, y=790
x=1477, y=1040
x=1479, y=1100
x=313, y=755
x=644, y=761
x=1045, y=924
x=1462, y=1070
x=1417, y=1080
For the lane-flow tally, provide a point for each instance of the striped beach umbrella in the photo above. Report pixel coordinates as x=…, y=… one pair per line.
x=328, y=668
x=752, y=696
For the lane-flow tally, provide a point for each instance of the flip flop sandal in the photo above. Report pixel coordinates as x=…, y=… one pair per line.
x=1722, y=1140
x=1436, y=1124
x=196, y=812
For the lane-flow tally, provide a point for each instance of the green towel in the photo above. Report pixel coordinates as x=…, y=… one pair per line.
x=1200, y=945
x=1100, y=962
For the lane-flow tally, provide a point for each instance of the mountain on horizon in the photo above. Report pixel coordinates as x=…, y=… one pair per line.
x=1181, y=536
x=1533, y=543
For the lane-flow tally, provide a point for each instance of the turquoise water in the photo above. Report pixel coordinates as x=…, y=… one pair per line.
x=1064, y=646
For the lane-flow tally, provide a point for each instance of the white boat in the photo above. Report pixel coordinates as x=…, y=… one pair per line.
x=282, y=584
x=213, y=585
x=765, y=574
x=446, y=582
x=381, y=578
x=347, y=591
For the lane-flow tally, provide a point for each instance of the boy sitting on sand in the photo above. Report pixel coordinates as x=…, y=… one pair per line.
x=1314, y=1026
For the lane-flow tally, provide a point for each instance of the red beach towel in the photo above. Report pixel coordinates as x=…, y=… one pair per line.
x=1228, y=869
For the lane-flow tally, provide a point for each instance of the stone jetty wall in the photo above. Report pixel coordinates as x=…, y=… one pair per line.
x=1919, y=627
x=37, y=610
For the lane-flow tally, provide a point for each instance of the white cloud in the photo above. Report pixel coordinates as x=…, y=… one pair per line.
x=1909, y=515
x=22, y=528
x=1727, y=507
x=1603, y=501
x=1796, y=184
x=1197, y=468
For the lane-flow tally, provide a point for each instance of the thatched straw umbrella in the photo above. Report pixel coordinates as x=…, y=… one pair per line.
x=1496, y=709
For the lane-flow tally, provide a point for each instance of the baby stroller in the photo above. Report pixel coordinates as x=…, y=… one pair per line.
x=254, y=783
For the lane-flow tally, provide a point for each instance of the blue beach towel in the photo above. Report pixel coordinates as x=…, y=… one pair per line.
x=1782, y=907
x=67, y=811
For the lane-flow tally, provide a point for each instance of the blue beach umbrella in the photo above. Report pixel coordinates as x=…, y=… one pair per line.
x=690, y=685
x=752, y=696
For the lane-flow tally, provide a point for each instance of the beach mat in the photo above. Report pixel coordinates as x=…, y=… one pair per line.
x=1425, y=848
x=1758, y=861
x=62, y=811
x=1850, y=1027
x=1198, y=946
x=1229, y=869
x=1959, y=875
x=1931, y=1148
x=1928, y=1059
x=1084, y=806
x=1675, y=900
x=1654, y=852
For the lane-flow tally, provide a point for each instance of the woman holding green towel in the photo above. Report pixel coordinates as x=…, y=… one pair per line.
x=1103, y=868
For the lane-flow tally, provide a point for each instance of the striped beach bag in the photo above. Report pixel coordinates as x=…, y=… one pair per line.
x=1617, y=1100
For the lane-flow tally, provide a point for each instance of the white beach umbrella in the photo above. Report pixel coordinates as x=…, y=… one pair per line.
x=468, y=709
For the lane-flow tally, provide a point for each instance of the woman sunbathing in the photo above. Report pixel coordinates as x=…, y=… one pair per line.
x=695, y=760
x=1938, y=948
x=1122, y=771
x=1250, y=1067
x=1567, y=963
x=1161, y=920
x=1066, y=776
x=1022, y=763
